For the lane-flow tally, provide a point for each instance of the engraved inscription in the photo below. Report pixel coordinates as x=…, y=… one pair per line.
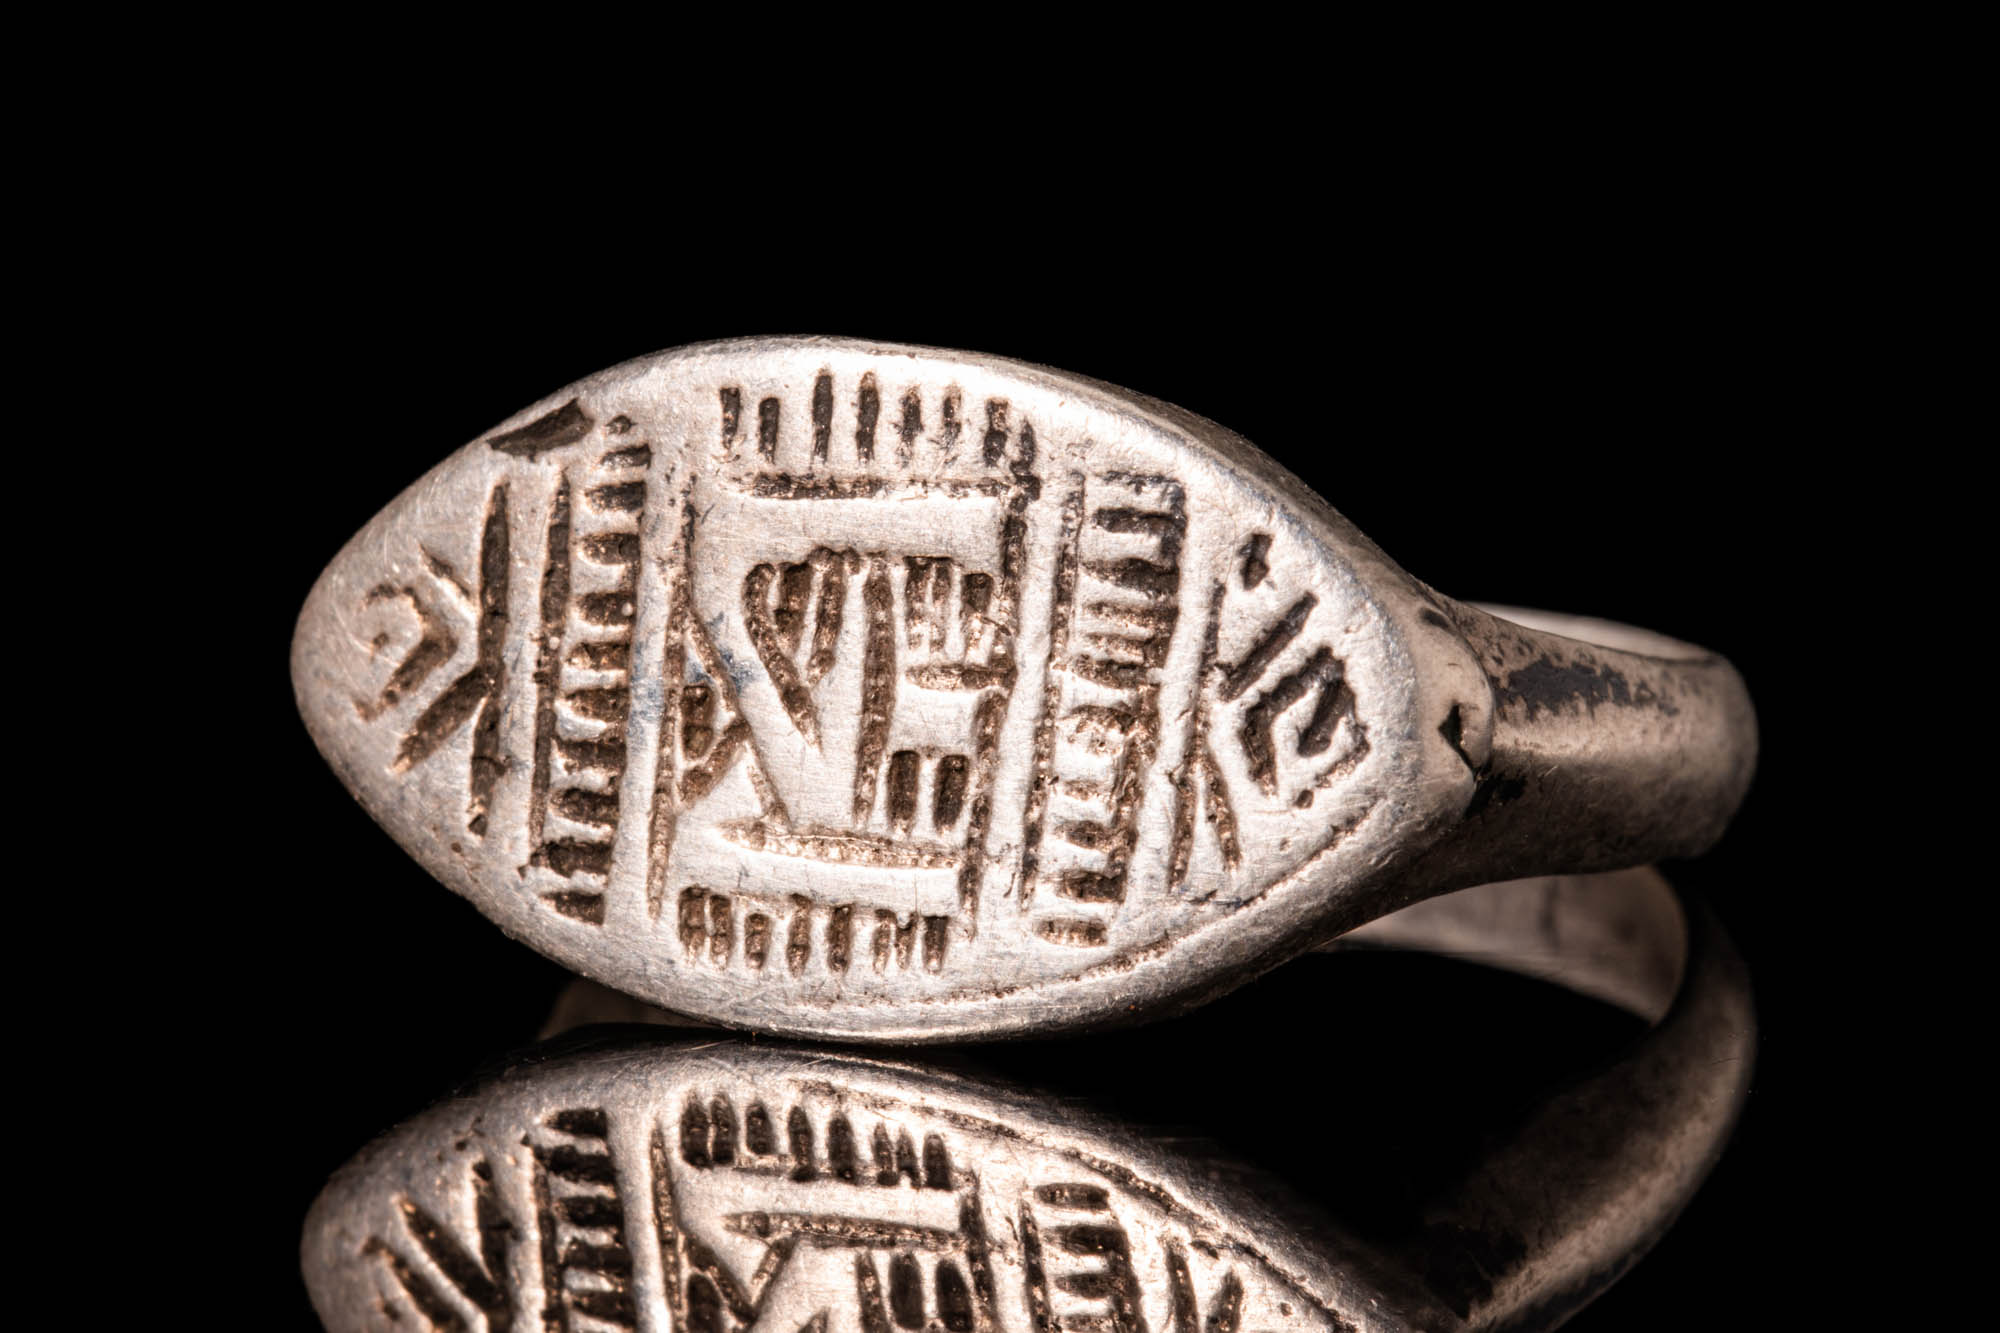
x=809, y=462
x=555, y=430
x=757, y=931
x=842, y=687
x=1224, y=1310
x=1076, y=1260
x=865, y=1239
x=1278, y=705
x=474, y=1270
x=788, y=672
x=775, y=605
x=1118, y=602
x=475, y=696
x=580, y=1220
x=583, y=673
x=434, y=647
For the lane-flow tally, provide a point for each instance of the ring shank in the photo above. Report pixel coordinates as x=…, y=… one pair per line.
x=1619, y=937
x=1584, y=1186
x=1618, y=748
x=1610, y=634
x=1628, y=1145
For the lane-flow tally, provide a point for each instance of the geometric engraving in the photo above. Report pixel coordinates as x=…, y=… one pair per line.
x=788, y=933
x=1288, y=753
x=1321, y=675
x=1199, y=773
x=710, y=1135
x=778, y=629
x=480, y=1280
x=856, y=679
x=912, y=1259
x=1273, y=641
x=853, y=682
x=1255, y=567
x=1117, y=590
x=433, y=649
x=1225, y=1307
x=476, y=694
x=1078, y=1261
x=925, y=613
x=703, y=733
x=580, y=1218
x=583, y=673
x=810, y=590
x=553, y=430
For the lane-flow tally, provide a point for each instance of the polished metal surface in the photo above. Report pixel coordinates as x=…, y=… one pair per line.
x=850, y=690
x=703, y=1184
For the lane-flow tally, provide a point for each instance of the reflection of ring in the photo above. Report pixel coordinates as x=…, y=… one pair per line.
x=719, y=1185
x=848, y=690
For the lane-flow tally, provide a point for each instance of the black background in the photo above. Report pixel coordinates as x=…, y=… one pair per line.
x=1578, y=411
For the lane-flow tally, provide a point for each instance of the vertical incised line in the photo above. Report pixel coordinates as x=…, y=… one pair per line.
x=548, y=658
x=950, y=426
x=878, y=685
x=909, y=427
x=822, y=416
x=767, y=428
x=667, y=1224
x=995, y=442
x=1186, y=806
x=495, y=568
x=866, y=409
x=1060, y=612
x=1026, y=489
x=732, y=415
x=673, y=667
x=1034, y=1275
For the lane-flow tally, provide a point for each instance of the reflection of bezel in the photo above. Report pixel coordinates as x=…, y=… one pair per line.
x=636, y=1177
x=655, y=1174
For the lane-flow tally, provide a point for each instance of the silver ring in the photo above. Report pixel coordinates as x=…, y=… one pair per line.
x=849, y=690
x=718, y=1185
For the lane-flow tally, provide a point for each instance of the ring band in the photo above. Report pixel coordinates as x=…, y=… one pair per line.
x=849, y=690
x=721, y=1184
x=1612, y=746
